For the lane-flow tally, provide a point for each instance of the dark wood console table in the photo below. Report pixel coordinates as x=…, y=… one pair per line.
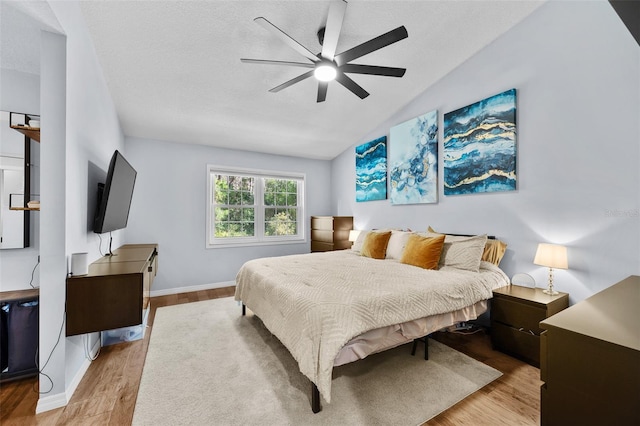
x=115, y=291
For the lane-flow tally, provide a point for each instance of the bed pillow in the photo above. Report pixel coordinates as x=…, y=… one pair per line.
x=397, y=243
x=375, y=244
x=357, y=244
x=423, y=252
x=493, y=252
x=463, y=252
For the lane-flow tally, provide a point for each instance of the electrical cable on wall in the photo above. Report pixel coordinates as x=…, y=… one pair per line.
x=41, y=370
x=33, y=272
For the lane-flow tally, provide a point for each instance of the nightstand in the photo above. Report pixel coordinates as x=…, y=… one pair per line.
x=516, y=313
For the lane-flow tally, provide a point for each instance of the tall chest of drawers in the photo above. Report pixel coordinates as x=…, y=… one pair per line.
x=330, y=232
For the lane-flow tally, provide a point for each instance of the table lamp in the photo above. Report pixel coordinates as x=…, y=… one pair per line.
x=551, y=256
x=353, y=235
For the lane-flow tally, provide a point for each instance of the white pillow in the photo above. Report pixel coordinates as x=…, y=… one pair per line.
x=357, y=245
x=396, y=244
x=463, y=252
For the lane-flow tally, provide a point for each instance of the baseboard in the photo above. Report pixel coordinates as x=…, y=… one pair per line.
x=189, y=289
x=51, y=402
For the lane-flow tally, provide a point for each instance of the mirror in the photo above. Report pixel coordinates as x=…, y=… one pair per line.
x=14, y=181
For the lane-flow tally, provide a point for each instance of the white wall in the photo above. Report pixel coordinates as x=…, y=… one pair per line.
x=169, y=208
x=576, y=69
x=71, y=168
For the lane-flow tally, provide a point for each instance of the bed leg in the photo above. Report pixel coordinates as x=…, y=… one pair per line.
x=315, y=399
x=425, y=340
x=244, y=309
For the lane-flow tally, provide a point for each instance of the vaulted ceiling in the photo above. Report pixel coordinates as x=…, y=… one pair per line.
x=173, y=67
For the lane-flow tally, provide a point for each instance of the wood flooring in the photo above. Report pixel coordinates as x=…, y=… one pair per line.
x=107, y=393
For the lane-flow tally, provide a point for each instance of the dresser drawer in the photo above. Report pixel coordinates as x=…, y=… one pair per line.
x=322, y=222
x=516, y=342
x=329, y=236
x=517, y=314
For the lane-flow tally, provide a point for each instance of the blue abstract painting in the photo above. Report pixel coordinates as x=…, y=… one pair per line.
x=480, y=146
x=371, y=170
x=413, y=160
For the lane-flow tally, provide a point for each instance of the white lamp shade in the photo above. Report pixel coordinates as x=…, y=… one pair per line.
x=552, y=256
x=353, y=235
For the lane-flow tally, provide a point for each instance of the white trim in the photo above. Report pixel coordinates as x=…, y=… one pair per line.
x=191, y=288
x=51, y=402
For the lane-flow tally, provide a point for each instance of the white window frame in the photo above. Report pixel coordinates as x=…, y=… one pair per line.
x=259, y=238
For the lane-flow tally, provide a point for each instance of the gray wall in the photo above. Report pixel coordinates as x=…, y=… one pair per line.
x=169, y=208
x=575, y=67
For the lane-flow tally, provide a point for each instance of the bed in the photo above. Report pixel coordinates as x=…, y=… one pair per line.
x=336, y=307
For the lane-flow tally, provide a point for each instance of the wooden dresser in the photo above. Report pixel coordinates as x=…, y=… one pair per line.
x=516, y=312
x=115, y=292
x=330, y=232
x=590, y=360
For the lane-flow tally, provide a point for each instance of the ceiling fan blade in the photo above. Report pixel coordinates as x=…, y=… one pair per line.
x=373, y=70
x=322, y=90
x=286, y=39
x=351, y=85
x=372, y=45
x=268, y=62
x=332, y=29
x=292, y=81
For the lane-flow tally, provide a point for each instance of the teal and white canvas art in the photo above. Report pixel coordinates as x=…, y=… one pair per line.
x=480, y=146
x=371, y=170
x=413, y=160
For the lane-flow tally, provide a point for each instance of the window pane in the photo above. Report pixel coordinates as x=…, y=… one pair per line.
x=248, y=229
x=235, y=215
x=281, y=185
x=292, y=186
x=247, y=184
x=248, y=215
x=281, y=199
x=269, y=214
x=270, y=185
x=269, y=199
x=235, y=198
x=247, y=198
x=235, y=229
x=222, y=229
x=292, y=199
x=221, y=214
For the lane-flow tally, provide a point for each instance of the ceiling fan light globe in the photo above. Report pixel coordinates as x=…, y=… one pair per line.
x=325, y=72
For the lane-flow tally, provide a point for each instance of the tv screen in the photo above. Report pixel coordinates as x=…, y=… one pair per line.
x=114, y=196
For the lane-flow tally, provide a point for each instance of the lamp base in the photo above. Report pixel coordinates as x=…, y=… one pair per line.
x=550, y=292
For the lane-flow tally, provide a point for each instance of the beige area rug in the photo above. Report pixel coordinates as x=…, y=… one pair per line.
x=208, y=365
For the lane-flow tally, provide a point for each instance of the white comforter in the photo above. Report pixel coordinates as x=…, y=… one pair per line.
x=315, y=303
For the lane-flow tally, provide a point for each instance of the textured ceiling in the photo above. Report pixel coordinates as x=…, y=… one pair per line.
x=174, y=70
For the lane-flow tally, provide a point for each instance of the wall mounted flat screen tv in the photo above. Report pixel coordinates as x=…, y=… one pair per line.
x=114, y=196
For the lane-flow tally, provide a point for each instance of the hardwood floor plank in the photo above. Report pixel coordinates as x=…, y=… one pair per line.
x=109, y=389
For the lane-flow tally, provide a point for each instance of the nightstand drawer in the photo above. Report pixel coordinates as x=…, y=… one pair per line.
x=520, y=343
x=518, y=315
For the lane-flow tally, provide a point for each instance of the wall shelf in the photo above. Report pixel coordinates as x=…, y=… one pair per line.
x=30, y=132
x=35, y=209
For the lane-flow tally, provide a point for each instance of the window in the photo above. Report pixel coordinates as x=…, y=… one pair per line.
x=249, y=207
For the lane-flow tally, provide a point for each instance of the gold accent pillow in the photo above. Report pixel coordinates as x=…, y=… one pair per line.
x=494, y=251
x=375, y=245
x=423, y=252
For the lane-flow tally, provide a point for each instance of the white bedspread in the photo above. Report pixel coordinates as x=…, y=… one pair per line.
x=315, y=303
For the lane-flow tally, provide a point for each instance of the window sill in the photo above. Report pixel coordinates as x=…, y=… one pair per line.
x=255, y=244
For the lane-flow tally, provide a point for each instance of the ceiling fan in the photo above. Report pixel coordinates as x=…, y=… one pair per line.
x=327, y=65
